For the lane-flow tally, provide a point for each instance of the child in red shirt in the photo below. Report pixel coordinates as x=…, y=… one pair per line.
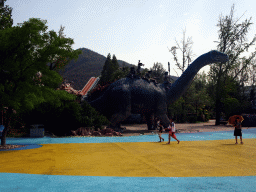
x=171, y=129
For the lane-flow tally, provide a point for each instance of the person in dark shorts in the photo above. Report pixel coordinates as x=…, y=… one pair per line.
x=160, y=132
x=238, y=130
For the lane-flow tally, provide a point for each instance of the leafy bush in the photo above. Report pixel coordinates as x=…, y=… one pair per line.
x=230, y=105
x=68, y=119
x=60, y=120
x=90, y=117
x=59, y=113
x=192, y=119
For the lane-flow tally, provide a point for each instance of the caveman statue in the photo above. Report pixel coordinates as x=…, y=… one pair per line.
x=139, y=68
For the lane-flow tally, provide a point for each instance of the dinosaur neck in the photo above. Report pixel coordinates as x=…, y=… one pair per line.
x=182, y=84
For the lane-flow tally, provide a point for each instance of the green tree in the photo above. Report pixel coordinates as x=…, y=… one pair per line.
x=230, y=105
x=197, y=104
x=6, y=20
x=106, y=71
x=198, y=97
x=59, y=105
x=64, y=52
x=62, y=46
x=232, y=41
x=90, y=117
x=115, y=69
x=19, y=64
x=118, y=74
x=176, y=112
x=186, y=52
x=125, y=70
x=110, y=71
x=115, y=64
x=158, y=72
x=144, y=72
x=185, y=48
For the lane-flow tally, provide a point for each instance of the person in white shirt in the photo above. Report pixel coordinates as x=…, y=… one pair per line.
x=172, y=130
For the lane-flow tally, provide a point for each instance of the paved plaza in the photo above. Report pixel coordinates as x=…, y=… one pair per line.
x=203, y=161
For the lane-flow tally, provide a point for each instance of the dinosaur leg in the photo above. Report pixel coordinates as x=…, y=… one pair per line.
x=150, y=121
x=117, y=118
x=164, y=119
x=123, y=111
x=119, y=103
x=155, y=121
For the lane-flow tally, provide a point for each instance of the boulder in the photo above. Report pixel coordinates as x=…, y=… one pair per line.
x=103, y=131
x=96, y=133
x=82, y=131
x=109, y=130
x=73, y=133
x=86, y=131
x=109, y=134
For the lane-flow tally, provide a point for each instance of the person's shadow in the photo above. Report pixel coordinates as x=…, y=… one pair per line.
x=229, y=144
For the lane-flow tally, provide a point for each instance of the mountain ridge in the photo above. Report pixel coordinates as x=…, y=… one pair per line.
x=89, y=64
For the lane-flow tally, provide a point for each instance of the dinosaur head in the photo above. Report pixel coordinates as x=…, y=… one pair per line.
x=216, y=56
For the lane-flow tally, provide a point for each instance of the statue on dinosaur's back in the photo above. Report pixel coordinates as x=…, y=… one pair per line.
x=138, y=96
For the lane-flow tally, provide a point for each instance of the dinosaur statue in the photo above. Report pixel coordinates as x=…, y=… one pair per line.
x=139, y=96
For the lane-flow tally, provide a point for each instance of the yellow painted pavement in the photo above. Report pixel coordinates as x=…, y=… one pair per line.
x=145, y=159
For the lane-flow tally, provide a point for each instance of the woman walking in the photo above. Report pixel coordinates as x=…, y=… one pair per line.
x=238, y=130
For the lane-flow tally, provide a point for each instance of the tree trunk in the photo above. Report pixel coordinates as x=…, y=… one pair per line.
x=3, y=138
x=6, y=126
x=150, y=121
x=218, y=112
x=184, y=114
x=218, y=96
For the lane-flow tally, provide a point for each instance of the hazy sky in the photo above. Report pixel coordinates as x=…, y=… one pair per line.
x=135, y=29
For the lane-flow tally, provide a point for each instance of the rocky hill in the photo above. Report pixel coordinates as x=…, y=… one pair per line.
x=89, y=64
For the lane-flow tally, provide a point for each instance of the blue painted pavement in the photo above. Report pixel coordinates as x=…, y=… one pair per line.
x=220, y=135
x=30, y=182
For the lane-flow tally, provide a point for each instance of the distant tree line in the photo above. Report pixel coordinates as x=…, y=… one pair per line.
x=222, y=92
